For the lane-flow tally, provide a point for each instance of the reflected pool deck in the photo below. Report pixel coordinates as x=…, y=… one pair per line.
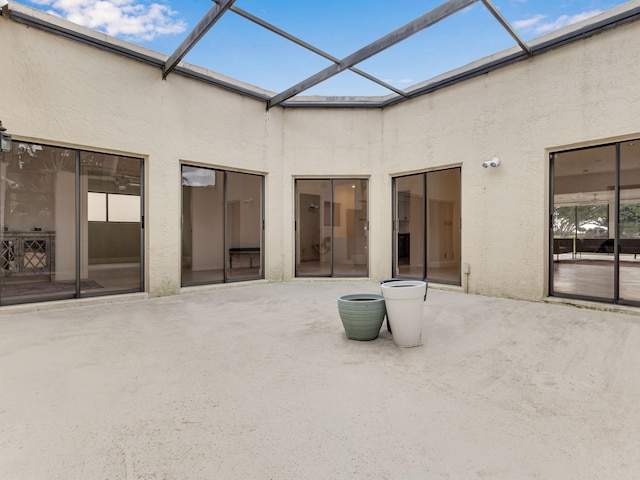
x=259, y=381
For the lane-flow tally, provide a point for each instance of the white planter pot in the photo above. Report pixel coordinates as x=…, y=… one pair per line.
x=404, y=300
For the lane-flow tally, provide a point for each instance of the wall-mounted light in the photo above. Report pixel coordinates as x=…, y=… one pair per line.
x=494, y=162
x=5, y=139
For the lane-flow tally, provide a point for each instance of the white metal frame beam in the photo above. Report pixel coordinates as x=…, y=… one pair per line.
x=507, y=26
x=620, y=17
x=428, y=19
x=308, y=46
x=211, y=17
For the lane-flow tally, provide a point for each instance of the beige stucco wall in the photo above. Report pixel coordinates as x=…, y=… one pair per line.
x=585, y=93
x=60, y=92
x=65, y=93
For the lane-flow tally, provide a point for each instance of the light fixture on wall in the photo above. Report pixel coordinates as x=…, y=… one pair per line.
x=494, y=162
x=5, y=139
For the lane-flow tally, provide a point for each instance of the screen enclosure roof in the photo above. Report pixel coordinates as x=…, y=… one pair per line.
x=340, y=53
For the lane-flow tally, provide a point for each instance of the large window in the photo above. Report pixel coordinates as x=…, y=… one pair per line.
x=332, y=227
x=426, y=227
x=70, y=224
x=222, y=226
x=595, y=227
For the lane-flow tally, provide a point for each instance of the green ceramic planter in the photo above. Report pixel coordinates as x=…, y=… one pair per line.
x=362, y=315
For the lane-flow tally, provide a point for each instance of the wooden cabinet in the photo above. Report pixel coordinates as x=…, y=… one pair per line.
x=27, y=254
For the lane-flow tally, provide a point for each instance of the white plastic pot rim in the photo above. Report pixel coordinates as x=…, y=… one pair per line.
x=404, y=289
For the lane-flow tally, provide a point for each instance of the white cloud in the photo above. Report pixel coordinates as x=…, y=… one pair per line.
x=564, y=20
x=539, y=27
x=131, y=19
x=528, y=23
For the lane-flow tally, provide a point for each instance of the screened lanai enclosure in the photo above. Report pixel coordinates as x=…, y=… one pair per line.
x=324, y=141
x=363, y=71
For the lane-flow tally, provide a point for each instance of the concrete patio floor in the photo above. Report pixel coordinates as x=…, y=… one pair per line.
x=260, y=382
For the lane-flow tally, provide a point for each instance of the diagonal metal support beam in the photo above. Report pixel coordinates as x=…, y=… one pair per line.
x=211, y=17
x=378, y=81
x=507, y=26
x=428, y=19
x=308, y=46
x=278, y=31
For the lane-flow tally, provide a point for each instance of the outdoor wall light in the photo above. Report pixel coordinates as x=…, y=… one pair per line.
x=494, y=162
x=5, y=139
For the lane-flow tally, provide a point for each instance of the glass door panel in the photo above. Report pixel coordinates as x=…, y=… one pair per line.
x=111, y=226
x=314, y=218
x=203, y=257
x=37, y=224
x=350, y=224
x=427, y=222
x=443, y=226
x=243, y=226
x=410, y=227
x=629, y=221
x=583, y=224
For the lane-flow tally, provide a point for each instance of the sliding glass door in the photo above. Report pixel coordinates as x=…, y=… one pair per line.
x=629, y=222
x=70, y=224
x=427, y=226
x=110, y=187
x=409, y=225
x=332, y=227
x=222, y=226
x=595, y=223
x=243, y=245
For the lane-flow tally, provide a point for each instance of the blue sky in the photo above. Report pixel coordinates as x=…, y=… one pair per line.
x=242, y=50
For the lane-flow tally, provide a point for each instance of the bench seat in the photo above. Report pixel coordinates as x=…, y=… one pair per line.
x=244, y=251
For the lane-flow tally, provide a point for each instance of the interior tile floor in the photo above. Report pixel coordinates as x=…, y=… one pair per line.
x=259, y=381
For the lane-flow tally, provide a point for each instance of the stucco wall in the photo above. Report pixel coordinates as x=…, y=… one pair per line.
x=65, y=93
x=582, y=94
x=60, y=92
